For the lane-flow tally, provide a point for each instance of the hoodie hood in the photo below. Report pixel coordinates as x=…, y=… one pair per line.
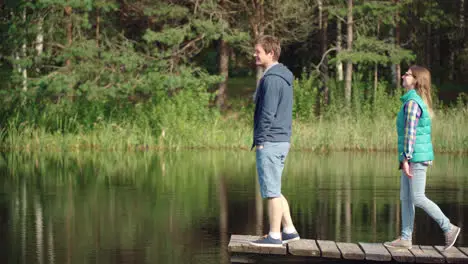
x=281, y=71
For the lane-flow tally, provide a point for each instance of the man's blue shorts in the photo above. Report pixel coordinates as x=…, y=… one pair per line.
x=270, y=164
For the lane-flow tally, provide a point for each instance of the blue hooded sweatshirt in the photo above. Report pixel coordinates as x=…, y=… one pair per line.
x=273, y=109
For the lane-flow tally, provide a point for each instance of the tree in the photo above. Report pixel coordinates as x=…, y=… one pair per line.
x=426, y=25
x=339, y=40
x=397, y=43
x=366, y=48
x=229, y=36
x=349, y=44
x=323, y=26
x=16, y=48
x=289, y=20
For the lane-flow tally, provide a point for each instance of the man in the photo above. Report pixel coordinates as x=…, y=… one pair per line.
x=272, y=134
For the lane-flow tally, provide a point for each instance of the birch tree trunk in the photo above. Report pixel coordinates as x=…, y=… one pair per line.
x=462, y=17
x=339, y=40
x=376, y=71
x=24, y=54
x=40, y=36
x=320, y=8
x=461, y=26
x=349, y=44
x=39, y=42
x=397, y=43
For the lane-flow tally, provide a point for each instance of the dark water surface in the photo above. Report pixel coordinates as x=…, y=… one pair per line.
x=182, y=207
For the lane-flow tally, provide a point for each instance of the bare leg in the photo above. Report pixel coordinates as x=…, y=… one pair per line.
x=275, y=213
x=286, y=219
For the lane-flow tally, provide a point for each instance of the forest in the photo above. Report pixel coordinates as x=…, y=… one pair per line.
x=159, y=74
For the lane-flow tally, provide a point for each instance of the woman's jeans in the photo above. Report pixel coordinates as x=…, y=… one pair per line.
x=411, y=195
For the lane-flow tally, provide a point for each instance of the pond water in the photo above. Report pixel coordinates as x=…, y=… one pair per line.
x=182, y=207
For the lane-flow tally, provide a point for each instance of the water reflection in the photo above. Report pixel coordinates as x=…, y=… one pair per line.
x=182, y=207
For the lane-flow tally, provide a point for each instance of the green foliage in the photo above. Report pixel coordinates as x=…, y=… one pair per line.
x=169, y=36
x=136, y=72
x=371, y=18
x=305, y=96
x=432, y=13
x=166, y=12
x=369, y=50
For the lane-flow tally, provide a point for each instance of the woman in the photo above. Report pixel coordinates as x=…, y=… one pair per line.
x=416, y=154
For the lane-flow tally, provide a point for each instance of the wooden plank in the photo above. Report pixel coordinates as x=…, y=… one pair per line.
x=426, y=254
x=329, y=249
x=401, y=255
x=351, y=251
x=375, y=251
x=304, y=247
x=242, y=259
x=464, y=250
x=241, y=244
x=452, y=255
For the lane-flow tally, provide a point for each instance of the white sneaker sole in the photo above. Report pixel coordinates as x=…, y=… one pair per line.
x=290, y=240
x=266, y=245
x=453, y=242
x=401, y=247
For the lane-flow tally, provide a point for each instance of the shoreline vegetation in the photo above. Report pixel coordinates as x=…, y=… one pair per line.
x=229, y=132
x=143, y=75
x=189, y=121
x=135, y=75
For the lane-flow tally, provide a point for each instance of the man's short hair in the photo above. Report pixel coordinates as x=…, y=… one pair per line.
x=269, y=44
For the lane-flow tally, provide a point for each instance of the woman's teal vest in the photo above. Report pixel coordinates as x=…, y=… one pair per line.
x=423, y=145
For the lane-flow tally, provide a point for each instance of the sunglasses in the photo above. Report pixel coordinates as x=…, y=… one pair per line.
x=407, y=74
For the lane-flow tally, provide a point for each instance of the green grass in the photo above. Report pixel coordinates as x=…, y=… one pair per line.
x=338, y=134
x=183, y=122
x=345, y=133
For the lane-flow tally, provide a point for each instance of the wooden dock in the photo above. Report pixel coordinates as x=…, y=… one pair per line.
x=325, y=251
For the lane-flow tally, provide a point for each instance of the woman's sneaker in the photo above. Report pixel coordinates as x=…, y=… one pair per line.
x=289, y=237
x=451, y=236
x=399, y=243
